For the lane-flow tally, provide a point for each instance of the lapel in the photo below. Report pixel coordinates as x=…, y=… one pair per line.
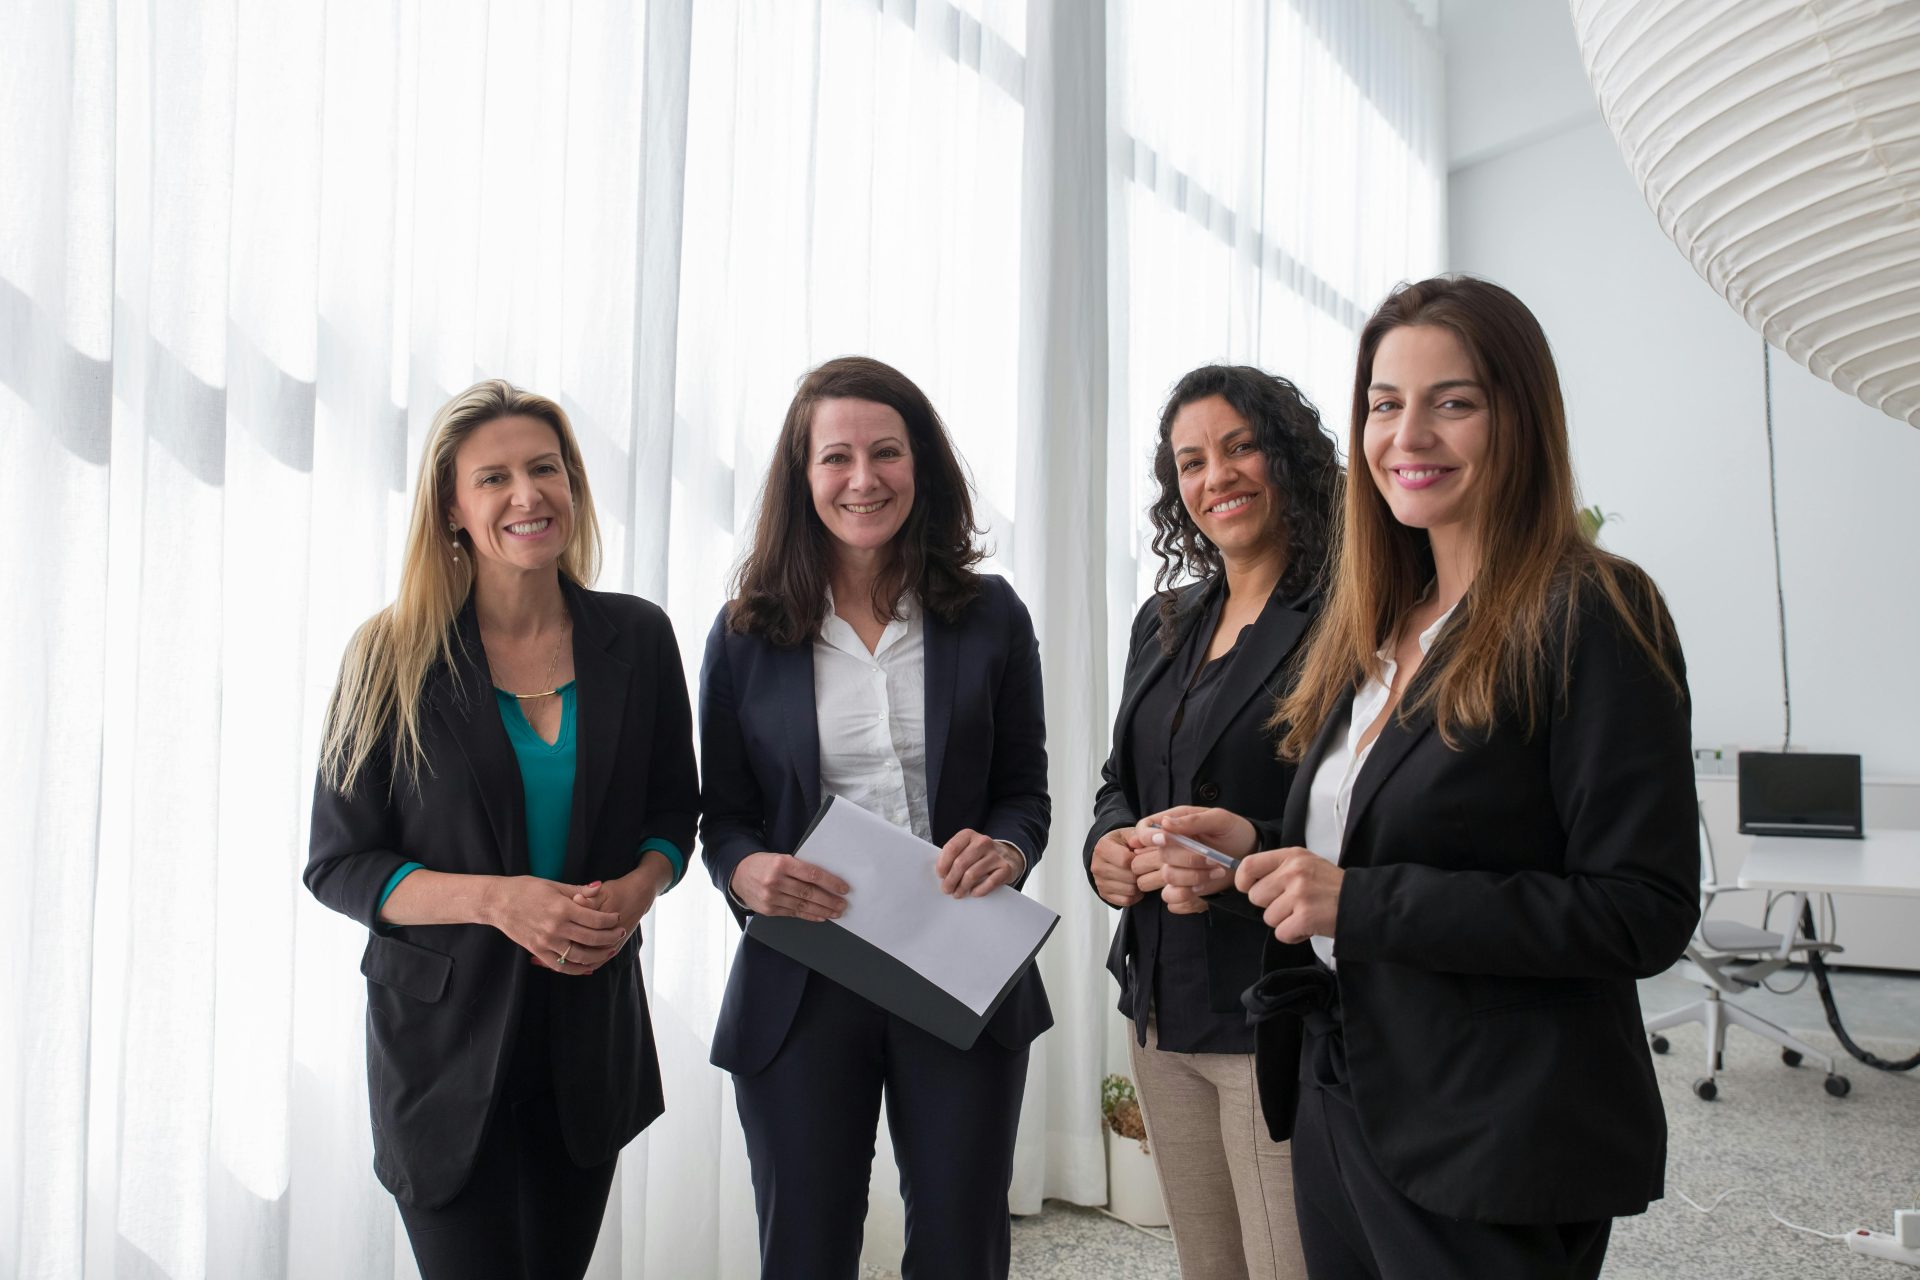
x=1293, y=819
x=1389, y=749
x=463, y=698
x=1396, y=740
x=793, y=686
x=940, y=649
x=1264, y=648
x=1188, y=611
x=600, y=681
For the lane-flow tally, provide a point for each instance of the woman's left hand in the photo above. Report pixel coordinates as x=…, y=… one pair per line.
x=973, y=865
x=1299, y=889
x=632, y=895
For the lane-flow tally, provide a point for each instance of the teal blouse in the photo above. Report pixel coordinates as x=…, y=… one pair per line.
x=546, y=777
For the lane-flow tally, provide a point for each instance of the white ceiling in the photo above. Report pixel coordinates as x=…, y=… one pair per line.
x=1513, y=76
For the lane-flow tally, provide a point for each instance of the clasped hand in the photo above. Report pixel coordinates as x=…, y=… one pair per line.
x=574, y=929
x=1297, y=890
x=1127, y=867
x=552, y=920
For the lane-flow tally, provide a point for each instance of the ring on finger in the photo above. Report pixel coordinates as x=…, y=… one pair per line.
x=560, y=958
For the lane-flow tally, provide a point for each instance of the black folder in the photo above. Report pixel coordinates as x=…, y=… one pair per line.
x=866, y=970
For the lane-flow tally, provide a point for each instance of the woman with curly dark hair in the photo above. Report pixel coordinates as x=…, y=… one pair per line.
x=863, y=656
x=1248, y=488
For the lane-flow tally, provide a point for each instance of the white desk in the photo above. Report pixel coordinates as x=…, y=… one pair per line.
x=1884, y=862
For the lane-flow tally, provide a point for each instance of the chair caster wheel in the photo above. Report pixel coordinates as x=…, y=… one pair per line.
x=1791, y=1057
x=1659, y=1044
x=1839, y=1086
x=1706, y=1090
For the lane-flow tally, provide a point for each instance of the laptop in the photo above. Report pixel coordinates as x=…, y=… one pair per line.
x=1800, y=794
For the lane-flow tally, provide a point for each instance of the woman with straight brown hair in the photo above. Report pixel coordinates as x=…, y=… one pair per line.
x=506, y=785
x=1491, y=834
x=863, y=656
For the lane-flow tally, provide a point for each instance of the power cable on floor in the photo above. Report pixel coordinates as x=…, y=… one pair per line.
x=1768, y=1205
x=1145, y=1231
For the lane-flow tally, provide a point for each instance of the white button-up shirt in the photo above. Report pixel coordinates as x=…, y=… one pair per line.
x=1331, y=792
x=872, y=715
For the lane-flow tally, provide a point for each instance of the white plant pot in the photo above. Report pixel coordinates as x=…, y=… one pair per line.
x=1133, y=1185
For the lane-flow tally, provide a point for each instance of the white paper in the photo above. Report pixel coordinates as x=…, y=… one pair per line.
x=968, y=947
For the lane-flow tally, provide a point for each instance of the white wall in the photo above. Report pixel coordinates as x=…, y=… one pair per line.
x=1663, y=383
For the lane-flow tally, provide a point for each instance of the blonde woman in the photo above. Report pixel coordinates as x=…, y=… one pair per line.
x=506, y=785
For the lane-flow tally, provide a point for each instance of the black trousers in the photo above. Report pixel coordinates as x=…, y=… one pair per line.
x=810, y=1119
x=1356, y=1225
x=528, y=1212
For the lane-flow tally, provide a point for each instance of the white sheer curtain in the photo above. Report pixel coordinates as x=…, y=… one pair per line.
x=1281, y=165
x=247, y=248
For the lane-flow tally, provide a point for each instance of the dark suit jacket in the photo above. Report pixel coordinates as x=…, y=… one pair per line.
x=760, y=749
x=443, y=1001
x=1239, y=772
x=1499, y=901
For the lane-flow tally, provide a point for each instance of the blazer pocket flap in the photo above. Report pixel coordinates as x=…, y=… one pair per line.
x=407, y=967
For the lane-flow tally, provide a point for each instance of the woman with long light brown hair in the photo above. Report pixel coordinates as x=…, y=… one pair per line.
x=506, y=785
x=1489, y=838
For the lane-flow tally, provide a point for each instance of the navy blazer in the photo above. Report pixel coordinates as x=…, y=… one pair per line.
x=1498, y=902
x=1240, y=771
x=760, y=754
x=444, y=1001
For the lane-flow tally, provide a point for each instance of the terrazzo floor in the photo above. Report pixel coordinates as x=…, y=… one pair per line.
x=1827, y=1163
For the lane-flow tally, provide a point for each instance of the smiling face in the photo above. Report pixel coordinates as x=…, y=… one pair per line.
x=860, y=471
x=511, y=496
x=1224, y=481
x=1427, y=429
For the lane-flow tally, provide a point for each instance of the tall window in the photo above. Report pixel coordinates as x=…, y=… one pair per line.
x=1279, y=166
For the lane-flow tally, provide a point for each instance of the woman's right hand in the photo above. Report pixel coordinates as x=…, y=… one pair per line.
x=779, y=884
x=1113, y=877
x=541, y=916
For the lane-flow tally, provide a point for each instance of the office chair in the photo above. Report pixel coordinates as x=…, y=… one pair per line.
x=1728, y=958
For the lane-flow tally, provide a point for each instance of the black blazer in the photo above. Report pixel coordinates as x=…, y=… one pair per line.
x=1499, y=901
x=760, y=749
x=1239, y=772
x=443, y=1001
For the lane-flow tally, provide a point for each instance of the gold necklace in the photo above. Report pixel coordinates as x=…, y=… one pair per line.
x=552, y=666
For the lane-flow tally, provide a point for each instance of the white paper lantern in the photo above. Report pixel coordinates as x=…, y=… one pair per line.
x=1778, y=142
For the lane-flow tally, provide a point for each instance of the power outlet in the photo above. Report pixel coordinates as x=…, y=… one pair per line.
x=1878, y=1244
x=1714, y=760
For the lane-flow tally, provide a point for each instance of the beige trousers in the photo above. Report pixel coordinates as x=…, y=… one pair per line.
x=1228, y=1186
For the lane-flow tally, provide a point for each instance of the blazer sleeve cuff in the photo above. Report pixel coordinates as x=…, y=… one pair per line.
x=668, y=850
x=1019, y=858
x=393, y=882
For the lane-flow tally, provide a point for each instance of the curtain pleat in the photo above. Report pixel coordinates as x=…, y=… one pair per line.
x=248, y=249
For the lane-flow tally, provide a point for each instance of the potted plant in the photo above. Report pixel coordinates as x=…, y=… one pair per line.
x=1133, y=1186
x=1591, y=520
